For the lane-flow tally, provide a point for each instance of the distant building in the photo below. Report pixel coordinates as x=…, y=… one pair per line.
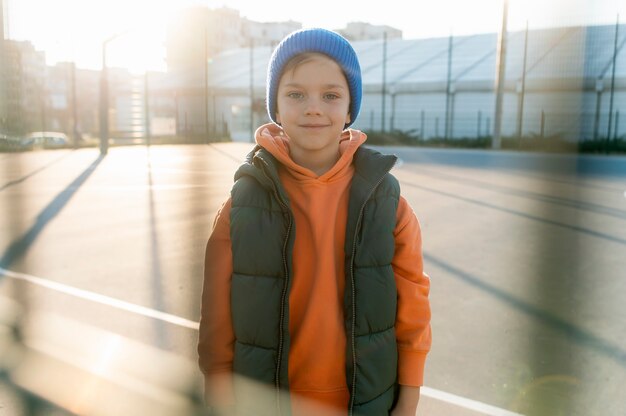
x=73, y=99
x=194, y=40
x=200, y=33
x=268, y=33
x=24, y=98
x=356, y=31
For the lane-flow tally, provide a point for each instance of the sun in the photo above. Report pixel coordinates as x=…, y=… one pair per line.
x=139, y=26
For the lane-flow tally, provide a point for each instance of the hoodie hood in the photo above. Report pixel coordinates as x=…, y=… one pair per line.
x=273, y=139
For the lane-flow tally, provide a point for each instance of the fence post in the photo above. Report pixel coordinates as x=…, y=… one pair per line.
x=251, y=89
x=478, y=124
x=206, y=86
x=148, y=133
x=500, y=74
x=596, y=120
x=75, y=131
x=104, y=105
x=448, y=89
x=608, y=134
x=522, y=91
x=452, y=99
x=437, y=127
x=543, y=124
x=392, y=122
x=422, y=132
x=214, y=119
x=384, y=86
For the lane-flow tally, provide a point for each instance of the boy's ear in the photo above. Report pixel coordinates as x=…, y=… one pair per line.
x=347, y=118
x=278, y=118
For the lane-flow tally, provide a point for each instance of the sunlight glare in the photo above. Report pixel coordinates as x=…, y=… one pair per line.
x=84, y=399
x=78, y=36
x=74, y=30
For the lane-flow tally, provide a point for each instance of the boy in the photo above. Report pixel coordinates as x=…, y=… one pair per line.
x=315, y=301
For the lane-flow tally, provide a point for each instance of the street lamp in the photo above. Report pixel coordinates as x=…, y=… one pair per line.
x=104, y=97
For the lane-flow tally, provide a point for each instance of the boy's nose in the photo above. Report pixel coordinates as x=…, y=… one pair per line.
x=313, y=107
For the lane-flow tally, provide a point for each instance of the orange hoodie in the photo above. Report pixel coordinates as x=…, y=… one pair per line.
x=317, y=353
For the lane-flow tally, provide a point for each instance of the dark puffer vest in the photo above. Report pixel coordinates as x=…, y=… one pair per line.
x=262, y=235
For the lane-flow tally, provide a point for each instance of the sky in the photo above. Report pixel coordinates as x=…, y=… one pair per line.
x=74, y=30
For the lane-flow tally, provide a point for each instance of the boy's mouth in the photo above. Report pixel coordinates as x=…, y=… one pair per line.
x=313, y=126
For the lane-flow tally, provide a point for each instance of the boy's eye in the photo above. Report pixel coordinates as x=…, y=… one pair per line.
x=295, y=95
x=331, y=96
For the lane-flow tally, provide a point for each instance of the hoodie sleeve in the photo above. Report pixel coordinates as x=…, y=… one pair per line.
x=216, y=337
x=413, y=331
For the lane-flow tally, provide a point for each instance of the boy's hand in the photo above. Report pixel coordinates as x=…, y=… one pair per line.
x=407, y=401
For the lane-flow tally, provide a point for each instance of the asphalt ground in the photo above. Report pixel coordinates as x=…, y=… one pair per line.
x=526, y=253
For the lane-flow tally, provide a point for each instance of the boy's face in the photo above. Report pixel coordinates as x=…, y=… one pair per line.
x=313, y=101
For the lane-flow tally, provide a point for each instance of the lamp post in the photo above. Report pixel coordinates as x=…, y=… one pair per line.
x=104, y=97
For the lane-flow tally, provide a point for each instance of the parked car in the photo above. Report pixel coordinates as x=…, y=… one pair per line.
x=8, y=143
x=45, y=140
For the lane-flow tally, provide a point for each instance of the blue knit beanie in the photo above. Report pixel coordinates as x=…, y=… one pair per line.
x=315, y=40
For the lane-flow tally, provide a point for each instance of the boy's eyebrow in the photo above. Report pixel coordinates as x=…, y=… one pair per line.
x=295, y=84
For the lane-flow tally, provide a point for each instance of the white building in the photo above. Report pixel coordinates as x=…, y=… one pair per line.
x=267, y=33
x=365, y=31
x=24, y=96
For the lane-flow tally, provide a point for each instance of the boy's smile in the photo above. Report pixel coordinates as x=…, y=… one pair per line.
x=313, y=101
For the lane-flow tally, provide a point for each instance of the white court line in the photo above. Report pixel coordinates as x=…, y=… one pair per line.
x=127, y=188
x=459, y=401
x=105, y=300
x=481, y=407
